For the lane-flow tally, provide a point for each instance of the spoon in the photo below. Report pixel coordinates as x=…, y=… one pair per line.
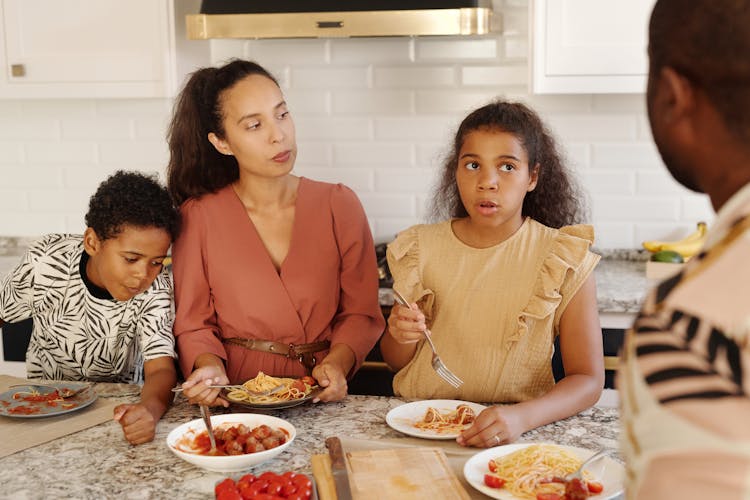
x=209, y=428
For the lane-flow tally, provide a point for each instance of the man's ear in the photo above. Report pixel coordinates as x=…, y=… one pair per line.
x=220, y=144
x=533, y=178
x=91, y=242
x=674, y=97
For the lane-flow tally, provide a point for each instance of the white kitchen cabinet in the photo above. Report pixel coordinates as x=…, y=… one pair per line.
x=92, y=48
x=589, y=46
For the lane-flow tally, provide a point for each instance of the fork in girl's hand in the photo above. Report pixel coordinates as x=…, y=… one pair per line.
x=437, y=363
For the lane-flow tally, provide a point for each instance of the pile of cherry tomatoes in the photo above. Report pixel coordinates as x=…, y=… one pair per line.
x=267, y=486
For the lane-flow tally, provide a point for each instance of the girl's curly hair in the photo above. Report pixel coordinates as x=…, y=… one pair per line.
x=131, y=199
x=555, y=202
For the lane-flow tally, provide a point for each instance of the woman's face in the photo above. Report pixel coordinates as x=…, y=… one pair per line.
x=258, y=129
x=493, y=177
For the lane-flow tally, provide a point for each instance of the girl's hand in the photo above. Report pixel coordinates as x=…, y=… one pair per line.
x=406, y=325
x=138, y=424
x=197, y=388
x=332, y=378
x=494, y=426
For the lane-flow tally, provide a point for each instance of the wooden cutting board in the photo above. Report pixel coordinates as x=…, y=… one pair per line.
x=405, y=473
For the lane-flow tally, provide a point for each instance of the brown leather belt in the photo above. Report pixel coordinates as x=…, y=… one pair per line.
x=304, y=353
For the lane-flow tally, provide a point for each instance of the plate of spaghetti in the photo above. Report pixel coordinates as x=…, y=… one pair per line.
x=295, y=391
x=433, y=418
x=524, y=470
x=35, y=401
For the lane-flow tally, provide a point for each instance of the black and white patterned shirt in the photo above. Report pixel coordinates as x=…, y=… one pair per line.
x=77, y=335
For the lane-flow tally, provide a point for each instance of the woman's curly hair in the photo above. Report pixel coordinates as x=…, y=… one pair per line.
x=555, y=202
x=131, y=199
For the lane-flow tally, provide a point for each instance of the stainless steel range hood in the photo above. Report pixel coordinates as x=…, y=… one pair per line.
x=350, y=18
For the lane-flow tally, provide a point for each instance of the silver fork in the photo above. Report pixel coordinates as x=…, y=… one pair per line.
x=437, y=363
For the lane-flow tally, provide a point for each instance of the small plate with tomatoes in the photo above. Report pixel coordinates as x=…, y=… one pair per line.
x=288, y=485
x=608, y=475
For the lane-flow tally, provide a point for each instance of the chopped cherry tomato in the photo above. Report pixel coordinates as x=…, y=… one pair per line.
x=229, y=495
x=289, y=475
x=493, y=481
x=227, y=484
x=309, y=380
x=595, y=487
x=302, y=482
x=492, y=466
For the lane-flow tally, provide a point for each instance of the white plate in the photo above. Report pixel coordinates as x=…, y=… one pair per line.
x=402, y=418
x=608, y=472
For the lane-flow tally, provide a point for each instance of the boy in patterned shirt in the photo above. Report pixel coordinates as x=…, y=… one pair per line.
x=101, y=302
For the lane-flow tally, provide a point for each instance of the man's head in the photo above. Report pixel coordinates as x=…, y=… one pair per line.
x=131, y=224
x=699, y=90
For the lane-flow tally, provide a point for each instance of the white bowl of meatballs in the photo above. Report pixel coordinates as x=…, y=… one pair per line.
x=243, y=440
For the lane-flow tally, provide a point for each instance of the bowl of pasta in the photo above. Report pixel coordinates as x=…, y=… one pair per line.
x=243, y=440
x=286, y=392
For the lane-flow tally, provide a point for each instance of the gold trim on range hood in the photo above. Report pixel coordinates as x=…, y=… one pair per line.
x=462, y=21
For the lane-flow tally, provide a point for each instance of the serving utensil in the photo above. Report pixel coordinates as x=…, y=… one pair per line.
x=207, y=420
x=437, y=363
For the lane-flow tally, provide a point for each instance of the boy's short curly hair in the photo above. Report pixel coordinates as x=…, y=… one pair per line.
x=131, y=198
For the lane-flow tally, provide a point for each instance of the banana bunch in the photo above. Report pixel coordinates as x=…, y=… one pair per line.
x=687, y=246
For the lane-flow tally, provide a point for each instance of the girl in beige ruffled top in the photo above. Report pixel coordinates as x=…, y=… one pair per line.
x=498, y=282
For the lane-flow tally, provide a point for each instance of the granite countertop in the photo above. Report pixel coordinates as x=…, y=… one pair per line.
x=99, y=463
x=620, y=276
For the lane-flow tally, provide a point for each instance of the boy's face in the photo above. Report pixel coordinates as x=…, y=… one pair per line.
x=127, y=264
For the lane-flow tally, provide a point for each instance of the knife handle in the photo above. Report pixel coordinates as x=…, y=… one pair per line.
x=336, y=452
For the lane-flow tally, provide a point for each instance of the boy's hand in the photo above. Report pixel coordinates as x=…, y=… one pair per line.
x=138, y=424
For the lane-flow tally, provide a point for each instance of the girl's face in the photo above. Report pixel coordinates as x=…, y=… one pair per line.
x=493, y=177
x=258, y=129
x=128, y=263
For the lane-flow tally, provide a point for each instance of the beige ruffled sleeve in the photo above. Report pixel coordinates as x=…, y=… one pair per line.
x=567, y=265
x=405, y=266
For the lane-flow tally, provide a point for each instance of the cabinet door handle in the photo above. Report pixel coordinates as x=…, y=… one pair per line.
x=17, y=70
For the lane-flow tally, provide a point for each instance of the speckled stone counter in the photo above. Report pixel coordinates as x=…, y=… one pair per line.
x=98, y=463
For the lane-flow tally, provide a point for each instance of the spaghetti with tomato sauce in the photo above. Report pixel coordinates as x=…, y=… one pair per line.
x=446, y=421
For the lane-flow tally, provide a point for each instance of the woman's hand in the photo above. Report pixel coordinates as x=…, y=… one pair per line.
x=494, y=426
x=197, y=388
x=332, y=378
x=138, y=424
x=406, y=325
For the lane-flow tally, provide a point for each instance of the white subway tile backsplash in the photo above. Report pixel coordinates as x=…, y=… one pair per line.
x=130, y=155
x=60, y=153
x=432, y=154
x=611, y=182
x=458, y=102
x=313, y=153
x=409, y=77
x=593, y=128
x=13, y=199
x=87, y=179
x=413, y=127
x=359, y=51
x=29, y=128
x=63, y=200
x=325, y=77
x=633, y=155
x=697, y=207
x=515, y=47
x=308, y=101
x=404, y=180
x=71, y=109
x=372, y=102
x=657, y=181
x=613, y=235
x=154, y=108
x=501, y=76
x=373, y=154
x=104, y=128
x=290, y=51
x=333, y=128
x=619, y=208
x=387, y=228
x=454, y=48
x=23, y=223
x=10, y=153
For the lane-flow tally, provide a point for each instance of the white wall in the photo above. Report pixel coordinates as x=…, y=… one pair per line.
x=375, y=114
